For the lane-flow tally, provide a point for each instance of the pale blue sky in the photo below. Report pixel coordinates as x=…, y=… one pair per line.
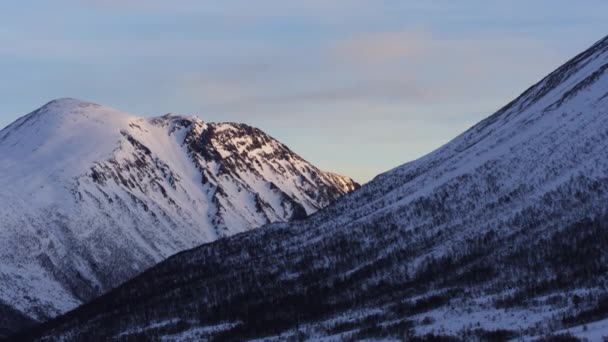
x=356, y=87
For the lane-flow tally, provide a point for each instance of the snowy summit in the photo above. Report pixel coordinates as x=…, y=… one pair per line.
x=92, y=196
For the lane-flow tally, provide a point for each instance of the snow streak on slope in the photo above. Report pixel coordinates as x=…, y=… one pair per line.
x=499, y=234
x=91, y=196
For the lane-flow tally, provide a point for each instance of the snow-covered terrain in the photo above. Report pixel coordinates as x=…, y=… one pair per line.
x=592, y=332
x=500, y=234
x=92, y=196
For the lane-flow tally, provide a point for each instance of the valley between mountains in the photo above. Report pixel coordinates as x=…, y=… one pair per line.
x=500, y=234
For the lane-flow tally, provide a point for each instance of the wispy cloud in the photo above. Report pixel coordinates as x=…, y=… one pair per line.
x=407, y=75
x=383, y=47
x=403, y=67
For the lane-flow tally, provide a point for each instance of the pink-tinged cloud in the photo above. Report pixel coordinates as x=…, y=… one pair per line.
x=383, y=47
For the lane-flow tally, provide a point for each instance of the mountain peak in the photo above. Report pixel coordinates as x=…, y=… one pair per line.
x=58, y=111
x=97, y=195
x=67, y=105
x=68, y=101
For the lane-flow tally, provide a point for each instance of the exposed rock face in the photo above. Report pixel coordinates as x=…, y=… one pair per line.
x=92, y=196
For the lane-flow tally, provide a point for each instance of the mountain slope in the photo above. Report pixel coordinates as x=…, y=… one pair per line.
x=91, y=196
x=499, y=234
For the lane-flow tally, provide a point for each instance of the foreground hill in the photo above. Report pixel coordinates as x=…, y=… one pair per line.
x=92, y=196
x=499, y=234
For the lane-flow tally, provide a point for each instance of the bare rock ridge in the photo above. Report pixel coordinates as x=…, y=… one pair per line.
x=92, y=196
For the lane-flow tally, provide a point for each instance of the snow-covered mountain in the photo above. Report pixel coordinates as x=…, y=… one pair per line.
x=499, y=234
x=92, y=196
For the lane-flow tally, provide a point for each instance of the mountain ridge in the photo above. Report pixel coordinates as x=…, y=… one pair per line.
x=92, y=196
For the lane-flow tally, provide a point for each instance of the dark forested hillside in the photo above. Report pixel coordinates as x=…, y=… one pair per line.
x=499, y=234
x=12, y=321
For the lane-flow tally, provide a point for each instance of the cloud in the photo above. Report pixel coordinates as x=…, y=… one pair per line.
x=382, y=47
x=407, y=68
x=135, y=4
x=244, y=10
x=237, y=96
x=399, y=73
